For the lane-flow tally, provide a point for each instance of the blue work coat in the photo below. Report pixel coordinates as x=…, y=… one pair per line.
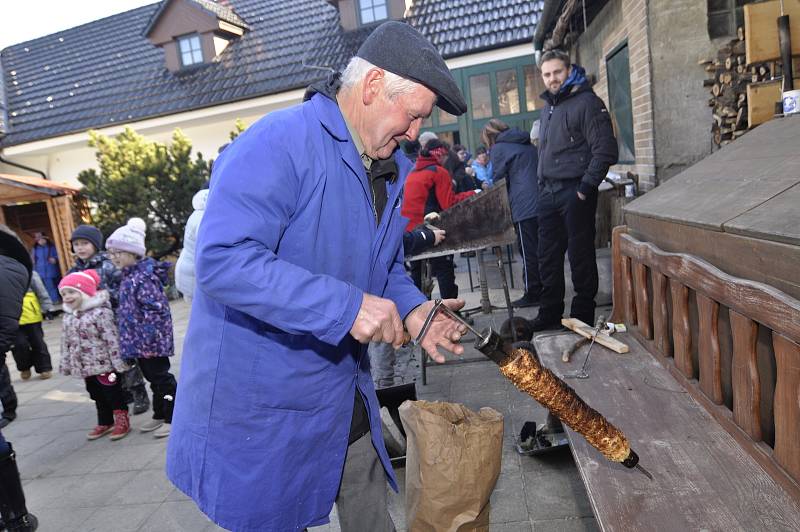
x=286, y=249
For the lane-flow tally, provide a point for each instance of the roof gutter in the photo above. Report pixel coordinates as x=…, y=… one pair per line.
x=550, y=11
x=22, y=166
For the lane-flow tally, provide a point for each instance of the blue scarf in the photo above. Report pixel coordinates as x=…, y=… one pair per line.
x=577, y=77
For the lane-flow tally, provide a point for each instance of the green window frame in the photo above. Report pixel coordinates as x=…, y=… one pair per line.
x=618, y=74
x=509, y=101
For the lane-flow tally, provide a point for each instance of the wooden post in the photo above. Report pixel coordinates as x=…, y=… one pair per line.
x=709, y=354
x=661, y=314
x=627, y=283
x=642, y=299
x=787, y=405
x=744, y=374
x=617, y=290
x=681, y=332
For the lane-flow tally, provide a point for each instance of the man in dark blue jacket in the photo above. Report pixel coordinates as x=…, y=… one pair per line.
x=576, y=147
x=514, y=159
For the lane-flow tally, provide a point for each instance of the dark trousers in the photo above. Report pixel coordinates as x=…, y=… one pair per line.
x=30, y=349
x=107, y=398
x=566, y=224
x=163, y=384
x=528, y=239
x=7, y=395
x=443, y=269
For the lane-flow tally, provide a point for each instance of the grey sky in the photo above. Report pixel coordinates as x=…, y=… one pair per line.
x=23, y=20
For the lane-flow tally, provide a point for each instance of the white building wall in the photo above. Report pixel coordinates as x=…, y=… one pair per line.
x=62, y=158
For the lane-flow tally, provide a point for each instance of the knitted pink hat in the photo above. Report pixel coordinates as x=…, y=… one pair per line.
x=85, y=282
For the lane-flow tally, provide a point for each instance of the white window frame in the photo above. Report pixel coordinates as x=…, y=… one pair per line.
x=190, y=50
x=370, y=6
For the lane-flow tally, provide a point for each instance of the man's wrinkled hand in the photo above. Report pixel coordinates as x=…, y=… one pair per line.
x=378, y=321
x=444, y=332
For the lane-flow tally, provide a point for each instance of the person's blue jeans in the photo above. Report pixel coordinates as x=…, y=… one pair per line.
x=51, y=284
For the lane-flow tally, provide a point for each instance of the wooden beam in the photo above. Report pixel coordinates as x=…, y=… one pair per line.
x=587, y=331
x=763, y=303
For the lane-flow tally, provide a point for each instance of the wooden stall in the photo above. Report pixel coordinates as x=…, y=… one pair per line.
x=31, y=204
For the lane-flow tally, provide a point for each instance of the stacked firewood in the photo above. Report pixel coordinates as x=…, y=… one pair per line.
x=729, y=76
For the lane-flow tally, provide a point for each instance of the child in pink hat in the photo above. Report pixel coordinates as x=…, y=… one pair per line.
x=90, y=350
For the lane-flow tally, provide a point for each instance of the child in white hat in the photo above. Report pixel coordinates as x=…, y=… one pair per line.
x=144, y=319
x=90, y=350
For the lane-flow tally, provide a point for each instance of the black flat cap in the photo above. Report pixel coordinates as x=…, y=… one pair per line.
x=402, y=50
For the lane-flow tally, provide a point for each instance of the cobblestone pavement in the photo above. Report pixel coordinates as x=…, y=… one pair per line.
x=74, y=484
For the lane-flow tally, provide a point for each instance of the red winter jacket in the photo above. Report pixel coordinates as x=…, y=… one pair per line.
x=428, y=174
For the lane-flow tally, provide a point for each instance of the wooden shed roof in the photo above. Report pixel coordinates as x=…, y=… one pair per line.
x=18, y=188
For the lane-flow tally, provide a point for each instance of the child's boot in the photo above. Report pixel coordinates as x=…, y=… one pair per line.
x=122, y=425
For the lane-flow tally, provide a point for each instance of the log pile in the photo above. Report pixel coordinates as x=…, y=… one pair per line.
x=729, y=75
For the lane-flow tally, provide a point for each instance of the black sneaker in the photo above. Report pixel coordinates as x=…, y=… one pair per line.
x=525, y=301
x=544, y=324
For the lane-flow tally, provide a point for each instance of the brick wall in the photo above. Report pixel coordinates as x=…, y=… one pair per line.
x=622, y=20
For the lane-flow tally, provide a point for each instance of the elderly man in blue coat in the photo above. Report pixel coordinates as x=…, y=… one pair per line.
x=299, y=266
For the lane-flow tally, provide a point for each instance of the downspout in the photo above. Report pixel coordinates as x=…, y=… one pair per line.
x=549, y=13
x=28, y=168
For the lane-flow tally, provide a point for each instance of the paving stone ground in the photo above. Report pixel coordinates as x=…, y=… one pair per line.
x=74, y=484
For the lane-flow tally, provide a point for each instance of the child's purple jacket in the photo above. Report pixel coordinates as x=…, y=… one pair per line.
x=144, y=318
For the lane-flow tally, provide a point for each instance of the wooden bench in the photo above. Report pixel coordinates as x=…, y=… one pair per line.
x=708, y=396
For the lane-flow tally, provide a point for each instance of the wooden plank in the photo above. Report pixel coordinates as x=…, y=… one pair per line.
x=62, y=226
x=708, y=348
x=761, y=29
x=587, y=331
x=642, y=300
x=761, y=98
x=787, y=405
x=661, y=314
x=738, y=255
x=617, y=290
x=776, y=219
x=744, y=375
x=627, y=284
x=703, y=479
x=681, y=333
x=762, y=302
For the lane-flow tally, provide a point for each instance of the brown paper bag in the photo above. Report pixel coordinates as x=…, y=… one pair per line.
x=452, y=464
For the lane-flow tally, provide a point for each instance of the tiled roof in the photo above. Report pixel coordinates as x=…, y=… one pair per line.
x=459, y=27
x=223, y=12
x=106, y=72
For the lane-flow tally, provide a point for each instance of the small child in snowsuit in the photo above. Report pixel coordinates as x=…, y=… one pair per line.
x=144, y=319
x=30, y=349
x=90, y=350
x=87, y=244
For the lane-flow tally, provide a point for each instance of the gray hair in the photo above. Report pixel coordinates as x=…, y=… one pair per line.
x=395, y=85
x=555, y=53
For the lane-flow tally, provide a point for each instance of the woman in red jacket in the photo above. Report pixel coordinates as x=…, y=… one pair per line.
x=429, y=188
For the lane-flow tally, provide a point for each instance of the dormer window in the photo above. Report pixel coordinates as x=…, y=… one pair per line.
x=372, y=10
x=193, y=32
x=190, y=49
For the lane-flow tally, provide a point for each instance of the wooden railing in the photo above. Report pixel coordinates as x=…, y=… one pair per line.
x=652, y=290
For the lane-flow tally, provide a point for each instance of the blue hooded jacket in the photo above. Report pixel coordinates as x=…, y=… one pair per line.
x=287, y=249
